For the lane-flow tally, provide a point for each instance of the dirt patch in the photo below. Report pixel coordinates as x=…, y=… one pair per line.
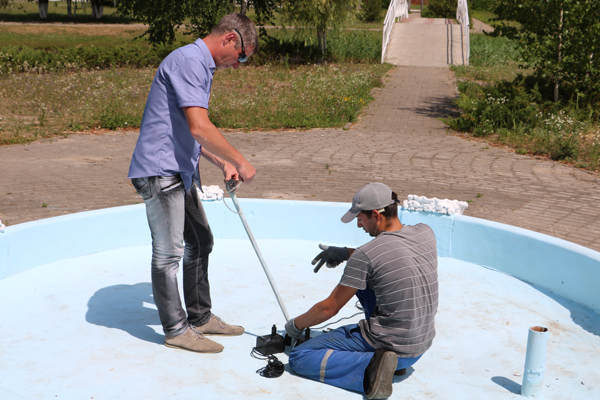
x=75, y=30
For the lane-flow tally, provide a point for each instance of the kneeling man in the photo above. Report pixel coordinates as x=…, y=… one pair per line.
x=395, y=279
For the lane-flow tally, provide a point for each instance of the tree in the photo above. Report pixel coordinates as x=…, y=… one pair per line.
x=244, y=6
x=560, y=39
x=165, y=17
x=97, y=8
x=43, y=7
x=319, y=14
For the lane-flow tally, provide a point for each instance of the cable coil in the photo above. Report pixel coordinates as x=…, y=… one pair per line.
x=274, y=367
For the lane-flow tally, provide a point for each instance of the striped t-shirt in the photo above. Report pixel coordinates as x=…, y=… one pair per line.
x=401, y=268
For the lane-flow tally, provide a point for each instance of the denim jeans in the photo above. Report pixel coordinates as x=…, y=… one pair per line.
x=176, y=217
x=340, y=357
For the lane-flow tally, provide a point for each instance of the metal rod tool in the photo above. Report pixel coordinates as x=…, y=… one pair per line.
x=231, y=186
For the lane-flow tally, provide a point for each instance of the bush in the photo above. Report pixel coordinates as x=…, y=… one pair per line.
x=440, y=9
x=370, y=11
x=514, y=112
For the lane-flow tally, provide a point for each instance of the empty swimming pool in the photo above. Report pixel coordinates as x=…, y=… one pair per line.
x=79, y=320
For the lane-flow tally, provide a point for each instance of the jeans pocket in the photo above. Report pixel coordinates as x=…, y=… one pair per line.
x=142, y=186
x=168, y=183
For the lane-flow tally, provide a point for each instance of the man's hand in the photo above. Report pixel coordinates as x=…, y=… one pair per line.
x=331, y=256
x=230, y=172
x=247, y=172
x=291, y=330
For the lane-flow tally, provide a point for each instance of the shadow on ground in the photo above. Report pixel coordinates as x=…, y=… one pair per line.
x=436, y=107
x=507, y=384
x=122, y=307
x=582, y=316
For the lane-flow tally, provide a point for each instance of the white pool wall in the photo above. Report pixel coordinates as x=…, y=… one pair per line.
x=562, y=267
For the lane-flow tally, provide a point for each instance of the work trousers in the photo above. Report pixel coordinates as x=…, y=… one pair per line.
x=176, y=217
x=341, y=356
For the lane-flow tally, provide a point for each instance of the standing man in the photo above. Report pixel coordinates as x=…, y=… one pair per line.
x=395, y=279
x=175, y=131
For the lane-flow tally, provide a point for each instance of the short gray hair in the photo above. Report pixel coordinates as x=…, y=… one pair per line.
x=243, y=24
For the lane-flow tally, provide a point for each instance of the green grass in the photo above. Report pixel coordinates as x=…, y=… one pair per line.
x=57, y=79
x=492, y=59
x=300, y=47
x=483, y=16
x=329, y=95
x=70, y=49
x=34, y=106
x=510, y=106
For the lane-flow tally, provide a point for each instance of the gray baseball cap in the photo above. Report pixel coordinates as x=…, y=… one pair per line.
x=373, y=196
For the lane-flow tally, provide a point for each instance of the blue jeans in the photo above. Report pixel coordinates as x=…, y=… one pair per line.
x=175, y=217
x=341, y=356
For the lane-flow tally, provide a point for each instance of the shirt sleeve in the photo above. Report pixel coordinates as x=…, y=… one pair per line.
x=191, y=82
x=356, y=271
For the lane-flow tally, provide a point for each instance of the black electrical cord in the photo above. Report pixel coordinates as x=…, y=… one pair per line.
x=274, y=368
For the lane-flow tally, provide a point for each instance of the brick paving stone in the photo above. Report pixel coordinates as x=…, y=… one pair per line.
x=398, y=140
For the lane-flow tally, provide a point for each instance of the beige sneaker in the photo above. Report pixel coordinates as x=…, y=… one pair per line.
x=216, y=326
x=193, y=341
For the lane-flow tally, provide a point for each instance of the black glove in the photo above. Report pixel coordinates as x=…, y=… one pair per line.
x=291, y=330
x=331, y=256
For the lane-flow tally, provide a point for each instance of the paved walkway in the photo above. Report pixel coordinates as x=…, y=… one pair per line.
x=398, y=140
x=425, y=42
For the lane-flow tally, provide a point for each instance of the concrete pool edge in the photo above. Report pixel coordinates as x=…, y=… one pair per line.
x=565, y=268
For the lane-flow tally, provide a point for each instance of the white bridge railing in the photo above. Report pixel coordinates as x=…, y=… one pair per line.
x=398, y=10
x=462, y=16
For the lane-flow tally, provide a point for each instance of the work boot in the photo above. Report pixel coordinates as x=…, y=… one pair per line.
x=193, y=341
x=379, y=374
x=216, y=326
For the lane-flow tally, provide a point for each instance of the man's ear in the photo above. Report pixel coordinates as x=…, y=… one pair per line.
x=377, y=215
x=228, y=38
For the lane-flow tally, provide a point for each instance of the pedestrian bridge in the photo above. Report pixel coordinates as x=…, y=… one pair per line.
x=410, y=40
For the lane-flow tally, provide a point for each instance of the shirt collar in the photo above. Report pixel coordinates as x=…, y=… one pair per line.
x=207, y=56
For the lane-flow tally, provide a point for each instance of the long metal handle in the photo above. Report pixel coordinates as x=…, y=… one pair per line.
x=259, y=254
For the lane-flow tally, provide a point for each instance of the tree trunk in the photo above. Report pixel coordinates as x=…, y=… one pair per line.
x=244, y=7
x=43, y=7
x=322, y=40
x=97, y=9
x=557, y=82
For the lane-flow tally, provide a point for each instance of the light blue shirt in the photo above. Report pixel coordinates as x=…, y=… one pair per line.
x=166, y=146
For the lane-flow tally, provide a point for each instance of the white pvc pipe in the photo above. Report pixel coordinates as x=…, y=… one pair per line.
x=535, y=361
x=259, y=254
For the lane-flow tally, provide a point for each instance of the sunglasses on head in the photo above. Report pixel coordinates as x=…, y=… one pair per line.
x=243, y=57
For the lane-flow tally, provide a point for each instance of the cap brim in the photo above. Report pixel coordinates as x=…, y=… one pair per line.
x=350, y=215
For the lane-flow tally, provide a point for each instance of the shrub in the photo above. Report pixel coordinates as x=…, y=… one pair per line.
x=370, y=11
x=440, y=9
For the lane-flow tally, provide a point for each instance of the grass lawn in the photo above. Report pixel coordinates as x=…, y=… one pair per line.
x=288, y=85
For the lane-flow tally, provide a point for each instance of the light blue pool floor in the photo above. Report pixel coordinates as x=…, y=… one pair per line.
x=87, y=328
